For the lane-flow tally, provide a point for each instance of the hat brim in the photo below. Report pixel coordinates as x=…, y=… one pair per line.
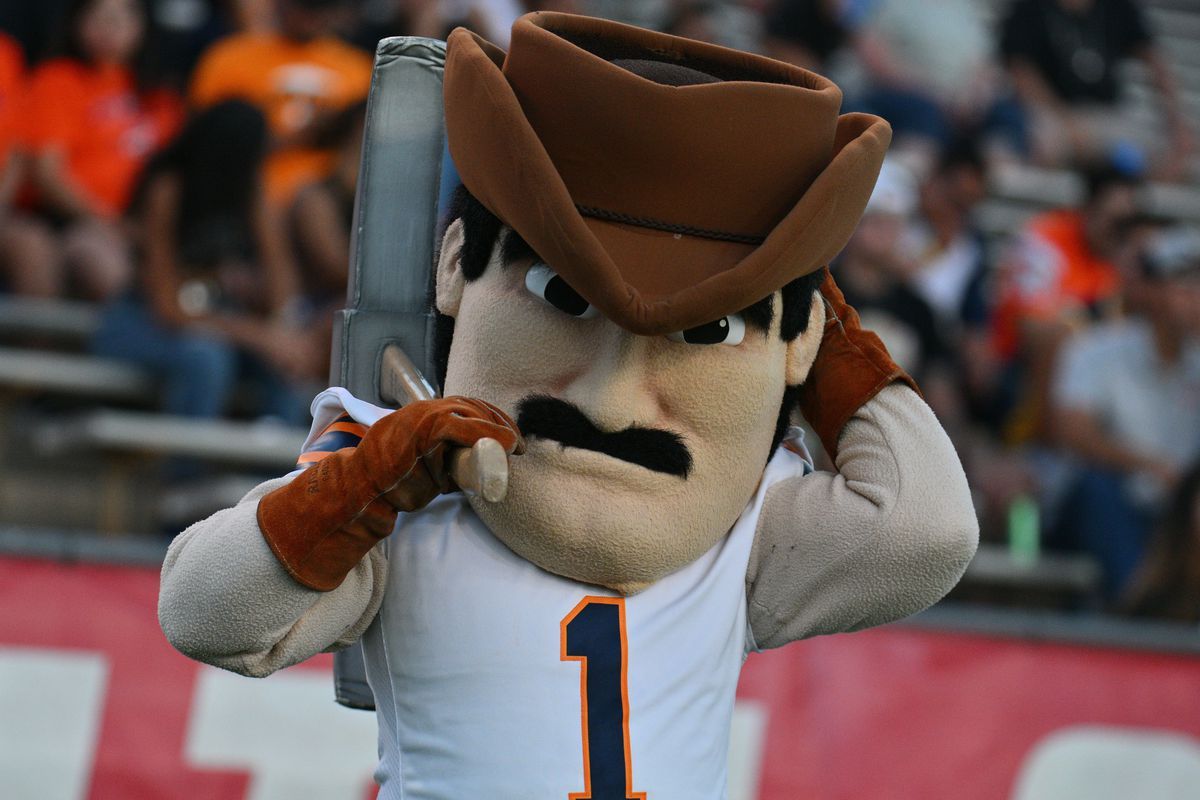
x=613, y=265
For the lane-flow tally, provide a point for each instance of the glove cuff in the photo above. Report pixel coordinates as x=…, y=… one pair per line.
x=851, y=367
x=321, y=524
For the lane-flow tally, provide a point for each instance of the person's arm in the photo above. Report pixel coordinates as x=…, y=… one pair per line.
x=322, y=233
x=225, y=600
x=57, y=189
x=1081, y=433
x=295, y=567
x=12, y=171
x=1178, y=128
x=885, y=536
x=282, y=281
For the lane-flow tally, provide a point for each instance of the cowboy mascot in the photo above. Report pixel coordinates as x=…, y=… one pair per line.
x=632, y=300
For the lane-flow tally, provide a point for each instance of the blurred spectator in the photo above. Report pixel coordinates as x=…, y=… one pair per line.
x=12, y=75
x=806, y=32
x=953, y=273
x=296, y=76
x=1063, y=57
x=874, y=271
x=1128, y=407
x=215, y=284
x=20, y=243
x=91, y=119
x=932, y=75
x=1167, y=585
x=320, y=220
x=951, y=258
x=1063, y=272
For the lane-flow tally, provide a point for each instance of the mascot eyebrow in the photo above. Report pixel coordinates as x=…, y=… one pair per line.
x=481, y=229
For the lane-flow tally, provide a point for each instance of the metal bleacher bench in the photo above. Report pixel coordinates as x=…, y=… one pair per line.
x=33, y=371
x=126, y=440
x=63, y=320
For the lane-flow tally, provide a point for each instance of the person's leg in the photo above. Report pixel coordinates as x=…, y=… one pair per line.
x=276, y=396
x=30, y=257
x=198, y=370
x=99, y=259
x=1102, y=519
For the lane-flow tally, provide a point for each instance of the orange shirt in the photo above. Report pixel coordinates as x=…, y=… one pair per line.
x=105, y=130
x=1054, y=274
x=12, y=73
x=292, y=83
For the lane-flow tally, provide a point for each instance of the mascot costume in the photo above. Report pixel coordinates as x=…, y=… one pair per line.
x=632, y=300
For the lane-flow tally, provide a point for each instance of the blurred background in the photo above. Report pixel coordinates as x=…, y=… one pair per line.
x=177, y=180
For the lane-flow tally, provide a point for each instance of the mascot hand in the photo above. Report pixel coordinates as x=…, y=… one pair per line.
x=322, y=523
x=852, y=365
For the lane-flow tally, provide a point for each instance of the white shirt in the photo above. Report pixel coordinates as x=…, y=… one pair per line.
x=476, y=662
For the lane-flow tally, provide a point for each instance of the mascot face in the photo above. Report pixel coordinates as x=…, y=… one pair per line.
x=642, y=451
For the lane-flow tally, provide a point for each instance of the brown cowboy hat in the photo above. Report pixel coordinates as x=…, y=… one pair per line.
x=665, y=206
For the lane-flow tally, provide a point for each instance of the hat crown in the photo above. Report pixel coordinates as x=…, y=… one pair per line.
x=731, y=156
x=665, y=206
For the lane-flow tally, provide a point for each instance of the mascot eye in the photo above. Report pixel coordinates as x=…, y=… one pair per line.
x=546, y=284
x=728, y=330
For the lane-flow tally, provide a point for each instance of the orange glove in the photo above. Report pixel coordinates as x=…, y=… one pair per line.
x=321, y=524
x=852, y=365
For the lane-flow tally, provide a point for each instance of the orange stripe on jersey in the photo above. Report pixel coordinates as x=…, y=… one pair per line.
x=312, y=457
x=356, y=428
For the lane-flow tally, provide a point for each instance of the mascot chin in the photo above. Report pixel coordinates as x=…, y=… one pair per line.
x=632, y=300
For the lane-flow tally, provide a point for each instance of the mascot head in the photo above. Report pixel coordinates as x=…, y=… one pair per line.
x=631, y=274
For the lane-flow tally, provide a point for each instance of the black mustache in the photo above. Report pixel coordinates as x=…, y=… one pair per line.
x=551, y=418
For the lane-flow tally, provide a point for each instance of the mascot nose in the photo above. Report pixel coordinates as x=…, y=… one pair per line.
x=615, y=389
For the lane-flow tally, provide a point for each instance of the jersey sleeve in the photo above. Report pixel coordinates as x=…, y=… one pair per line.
x=885, y=536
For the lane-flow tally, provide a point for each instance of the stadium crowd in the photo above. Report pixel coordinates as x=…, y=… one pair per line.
x=189, y=166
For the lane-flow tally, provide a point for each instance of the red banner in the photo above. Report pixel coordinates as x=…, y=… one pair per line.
x=95, y=704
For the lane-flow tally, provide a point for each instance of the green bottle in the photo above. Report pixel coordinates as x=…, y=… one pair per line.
x=1024, y=530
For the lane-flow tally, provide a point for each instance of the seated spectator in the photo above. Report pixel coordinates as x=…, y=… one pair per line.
x=931, y=74
x=951, y=260
x=215, y=286
x=296, y=75
x=953, y=272
x=91, y=120
x=1063, y=273
x=1127, y=397
x=1167, y=585
x=1063, y=55
x=25, y=244
x=806, y=32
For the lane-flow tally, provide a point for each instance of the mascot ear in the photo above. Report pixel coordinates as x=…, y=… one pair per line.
x=802, y=350
x=450, y=280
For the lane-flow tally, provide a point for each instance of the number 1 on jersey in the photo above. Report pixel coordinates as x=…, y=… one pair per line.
x=594, y=635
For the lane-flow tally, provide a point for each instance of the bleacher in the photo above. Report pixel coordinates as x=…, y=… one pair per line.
x=82, y=442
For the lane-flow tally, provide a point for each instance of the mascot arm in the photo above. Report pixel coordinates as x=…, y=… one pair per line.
x=226, y=600
x=886, y=536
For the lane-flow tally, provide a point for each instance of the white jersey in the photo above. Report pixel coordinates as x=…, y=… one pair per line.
x=495, y=679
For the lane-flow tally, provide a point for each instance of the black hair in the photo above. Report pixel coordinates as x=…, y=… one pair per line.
x=481, y=228
x=1099, y=178
x=217, y=157
x=962, y=152
x=336, y=130
x=144, y=65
